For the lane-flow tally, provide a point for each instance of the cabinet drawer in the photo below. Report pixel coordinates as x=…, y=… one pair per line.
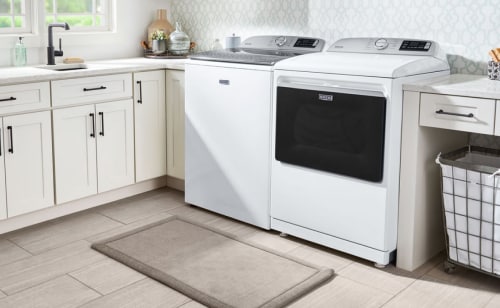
x=91, y=89
x=24, y=97
x=475, y=115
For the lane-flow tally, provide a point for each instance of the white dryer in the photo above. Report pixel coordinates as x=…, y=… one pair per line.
x=336, y=141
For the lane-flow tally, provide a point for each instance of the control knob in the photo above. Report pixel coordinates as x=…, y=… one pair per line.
x=280, y=41
x=381, y=43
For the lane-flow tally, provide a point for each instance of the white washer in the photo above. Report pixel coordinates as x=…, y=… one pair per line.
x=336, y=141
x=228, y=125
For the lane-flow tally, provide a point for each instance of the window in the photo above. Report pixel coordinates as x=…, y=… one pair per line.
x=15, y=16
x=83, y=15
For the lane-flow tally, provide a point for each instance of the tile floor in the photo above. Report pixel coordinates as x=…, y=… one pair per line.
x=52, y=265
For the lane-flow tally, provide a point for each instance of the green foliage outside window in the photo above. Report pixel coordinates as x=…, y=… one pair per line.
x=79, y=14
x=11, y=16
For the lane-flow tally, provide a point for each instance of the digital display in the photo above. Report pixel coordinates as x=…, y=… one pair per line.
x=416, y=45
x=305, y=42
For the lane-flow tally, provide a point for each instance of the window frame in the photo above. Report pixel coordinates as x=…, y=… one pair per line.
x=35, y=20
x=108, y=15
x=29, y=18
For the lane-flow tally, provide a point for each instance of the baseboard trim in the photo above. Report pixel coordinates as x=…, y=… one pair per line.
x=72, y=207
x=175, y=183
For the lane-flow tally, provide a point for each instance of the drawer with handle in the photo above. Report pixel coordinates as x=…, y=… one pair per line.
x=24, y=97
x=469, y=114
x=91, y=89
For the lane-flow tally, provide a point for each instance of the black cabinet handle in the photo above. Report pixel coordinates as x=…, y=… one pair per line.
x=94, y=89
x=101, y=114
x=12, y=98
x=465, y=115
x=11, y=149
x=92, y=117
x=139, y=101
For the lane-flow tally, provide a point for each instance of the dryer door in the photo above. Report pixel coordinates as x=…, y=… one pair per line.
x=331, y=129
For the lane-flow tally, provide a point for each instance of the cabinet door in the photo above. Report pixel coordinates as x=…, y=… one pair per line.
x=175, y=124
x=150, y=131
x=75, y=153
x=115, y=145
x=3, y=194
x=28, y=162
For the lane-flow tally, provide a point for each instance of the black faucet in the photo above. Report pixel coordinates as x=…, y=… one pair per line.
x=51, y=53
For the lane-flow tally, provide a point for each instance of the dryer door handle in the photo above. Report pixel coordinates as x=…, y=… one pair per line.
x=334, y=86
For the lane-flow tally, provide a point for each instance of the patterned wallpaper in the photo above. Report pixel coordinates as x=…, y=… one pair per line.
x=466, y=29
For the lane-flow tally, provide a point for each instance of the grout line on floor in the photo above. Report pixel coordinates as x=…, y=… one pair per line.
x=31, y=287
x=401, y=291
x=73, y=277
x=117, y=290
x=22, y=248
x=111, y=218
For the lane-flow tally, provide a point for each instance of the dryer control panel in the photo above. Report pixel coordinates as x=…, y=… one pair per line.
x=392, y=46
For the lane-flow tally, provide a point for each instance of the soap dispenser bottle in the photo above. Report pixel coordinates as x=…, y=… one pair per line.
x=20, y=53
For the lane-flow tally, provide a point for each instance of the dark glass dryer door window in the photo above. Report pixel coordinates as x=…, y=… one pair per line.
x=332, y=131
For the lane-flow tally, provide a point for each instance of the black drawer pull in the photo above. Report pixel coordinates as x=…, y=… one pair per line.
x=11, y=149
x=92, y=117
x=101, y=114
x=465, y=115
x=12, y=98
x=139, y=101
x=224, y=82
x=94, y=89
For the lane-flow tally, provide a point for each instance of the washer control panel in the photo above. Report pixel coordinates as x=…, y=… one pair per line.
x=381, y=45
x=284, y=43
x=416, y=45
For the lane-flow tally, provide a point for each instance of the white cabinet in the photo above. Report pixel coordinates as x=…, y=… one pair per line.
x=93, y=149
x=150, y=125
x=115, y=145
x=468, y=114
x=175, y=124
x=24, y=97
x=75, y=152
x=93, y=89
x=497, y=119
x=27, y=153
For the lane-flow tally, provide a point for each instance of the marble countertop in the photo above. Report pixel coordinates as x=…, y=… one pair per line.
x=458, y=84
x=14, y=75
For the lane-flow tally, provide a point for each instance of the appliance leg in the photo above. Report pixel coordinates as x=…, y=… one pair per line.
x=283, y=234
x=379, y=265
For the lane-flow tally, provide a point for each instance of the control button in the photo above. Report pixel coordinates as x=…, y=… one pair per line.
x=280, y=41
x=428, y=45
x=381, y=44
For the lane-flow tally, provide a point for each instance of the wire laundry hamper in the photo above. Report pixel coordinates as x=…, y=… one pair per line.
x=471, y=208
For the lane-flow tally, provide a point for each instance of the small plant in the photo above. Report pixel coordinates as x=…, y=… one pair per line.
x=158, y=35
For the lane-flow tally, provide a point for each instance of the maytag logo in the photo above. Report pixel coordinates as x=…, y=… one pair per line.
x=325, y=97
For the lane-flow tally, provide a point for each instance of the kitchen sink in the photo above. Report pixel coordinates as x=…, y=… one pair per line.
x=64, y=67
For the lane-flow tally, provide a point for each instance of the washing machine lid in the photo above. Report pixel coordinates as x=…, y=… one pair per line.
x=263, y=50
x=388, y=58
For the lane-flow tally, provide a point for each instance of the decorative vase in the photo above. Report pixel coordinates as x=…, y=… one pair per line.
x=158, y=46
x=161, y=23
x=178, y=43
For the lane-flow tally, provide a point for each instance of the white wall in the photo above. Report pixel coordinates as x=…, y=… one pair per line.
x=132, y=19
x=467, y=29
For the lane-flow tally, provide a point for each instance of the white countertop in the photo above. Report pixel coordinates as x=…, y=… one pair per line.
x=13, y=75
x=458, y=84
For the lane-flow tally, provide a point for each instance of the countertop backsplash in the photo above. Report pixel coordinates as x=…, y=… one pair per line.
x=466, y=29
